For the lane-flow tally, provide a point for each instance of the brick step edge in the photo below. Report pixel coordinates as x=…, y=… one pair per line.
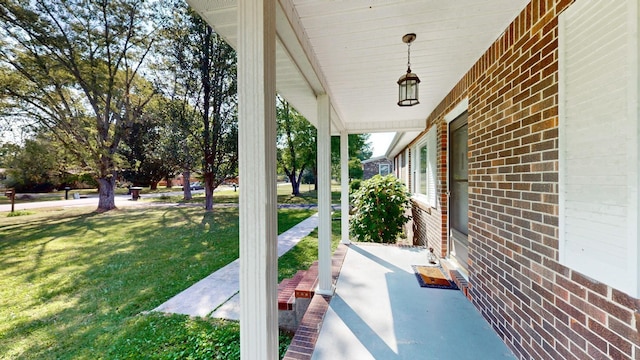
x=306, y=287
x=304, y=341
x=286, y=290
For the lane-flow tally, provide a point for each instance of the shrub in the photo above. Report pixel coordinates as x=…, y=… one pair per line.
x=380, y=206
x=354, y=185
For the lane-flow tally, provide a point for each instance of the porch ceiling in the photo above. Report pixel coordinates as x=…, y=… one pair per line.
x=353, y=51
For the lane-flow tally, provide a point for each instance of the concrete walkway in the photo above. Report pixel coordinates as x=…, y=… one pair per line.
x=219, y=291
x=380, y=312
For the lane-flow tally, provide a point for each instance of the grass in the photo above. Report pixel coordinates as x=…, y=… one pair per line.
x=228, y=195
x=19, y=213
x=73, y=283
x=224, y=195
x=305, y=253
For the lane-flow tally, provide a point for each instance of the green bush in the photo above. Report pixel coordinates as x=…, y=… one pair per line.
x=354, y=185
x=379, y=206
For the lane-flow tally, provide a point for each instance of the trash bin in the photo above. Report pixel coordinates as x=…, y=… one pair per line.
x=76, y=195
x=135, y=192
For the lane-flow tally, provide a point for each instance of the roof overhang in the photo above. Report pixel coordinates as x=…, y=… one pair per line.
x=353, y=51
x=399, y=142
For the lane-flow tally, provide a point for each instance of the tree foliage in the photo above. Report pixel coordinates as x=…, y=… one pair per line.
x=355, y=169
x=379, y=204
x=34, y=169
x=41, y=164
x=144, y=149
x=73, y=67
x=180, y=145
x=296, y=144
x=8, y=152
x=359, y=148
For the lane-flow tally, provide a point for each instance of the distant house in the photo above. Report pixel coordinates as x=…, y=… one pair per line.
x=379, y=165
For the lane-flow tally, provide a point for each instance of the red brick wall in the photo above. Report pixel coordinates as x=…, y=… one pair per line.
x=542, y=309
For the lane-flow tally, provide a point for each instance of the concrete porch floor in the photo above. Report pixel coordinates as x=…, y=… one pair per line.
x=380, y=312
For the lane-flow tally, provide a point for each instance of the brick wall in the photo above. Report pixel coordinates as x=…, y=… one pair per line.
x=541, y=309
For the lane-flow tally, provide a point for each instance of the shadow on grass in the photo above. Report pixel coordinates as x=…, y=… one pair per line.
x=69, y=285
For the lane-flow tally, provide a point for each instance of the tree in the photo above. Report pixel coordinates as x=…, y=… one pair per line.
x=147, y=163
x=219, y=110
x=201, y=73
x=8, y=152
x=179, y=141
x=296, y=143
x=359, y=148
x=40, y=165
x=355, y=168
x=74, y=68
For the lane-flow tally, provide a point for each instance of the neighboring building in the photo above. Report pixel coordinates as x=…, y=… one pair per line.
x=527, y=176
x=379, y=165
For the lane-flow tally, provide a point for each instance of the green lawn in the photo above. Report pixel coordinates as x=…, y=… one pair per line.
x=227, y=195
x=224, y=195
x=74, y=283
x=305, y=253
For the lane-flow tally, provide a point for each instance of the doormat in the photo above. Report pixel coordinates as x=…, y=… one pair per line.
x=432, y=277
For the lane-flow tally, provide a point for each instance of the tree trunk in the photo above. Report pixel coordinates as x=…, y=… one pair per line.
x=186, y=184
x=106, y=191
x=315, y=179
x=295, y=185
x=208, y=191
x=154, y=185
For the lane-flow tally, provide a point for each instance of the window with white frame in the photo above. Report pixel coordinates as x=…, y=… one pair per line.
x=384, y=169
x=424, y=169
x=598, y=141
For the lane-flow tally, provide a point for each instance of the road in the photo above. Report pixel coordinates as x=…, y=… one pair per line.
x=91, y=200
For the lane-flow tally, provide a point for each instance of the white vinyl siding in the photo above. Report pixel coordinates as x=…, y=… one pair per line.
x=424, y=166
x=598, y=109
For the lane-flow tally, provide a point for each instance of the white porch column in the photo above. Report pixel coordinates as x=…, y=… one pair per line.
x=257, y=163
x=344, y=182
x=324, y=196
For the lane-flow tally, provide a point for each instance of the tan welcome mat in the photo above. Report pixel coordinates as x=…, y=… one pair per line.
x=433, y=277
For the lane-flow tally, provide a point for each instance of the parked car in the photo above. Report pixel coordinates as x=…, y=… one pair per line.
x=196, y=186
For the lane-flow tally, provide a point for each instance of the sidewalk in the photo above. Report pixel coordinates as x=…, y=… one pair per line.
x=217, y=294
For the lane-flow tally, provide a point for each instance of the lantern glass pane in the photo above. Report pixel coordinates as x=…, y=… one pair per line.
x=411, y=89
x=402, y=94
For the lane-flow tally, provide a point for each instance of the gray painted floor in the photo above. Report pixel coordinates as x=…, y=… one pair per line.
x=380, y=312
x=219, y=291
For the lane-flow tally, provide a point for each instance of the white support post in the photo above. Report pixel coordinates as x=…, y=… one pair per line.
x=344, y=182
x=257, y=165
x=325, y=286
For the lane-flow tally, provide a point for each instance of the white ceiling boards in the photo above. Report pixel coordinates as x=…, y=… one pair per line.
x=353, y=51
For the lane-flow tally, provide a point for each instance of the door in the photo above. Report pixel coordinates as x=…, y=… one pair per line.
x=459, y=190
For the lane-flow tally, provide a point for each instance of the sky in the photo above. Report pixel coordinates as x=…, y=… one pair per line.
x=380, y=142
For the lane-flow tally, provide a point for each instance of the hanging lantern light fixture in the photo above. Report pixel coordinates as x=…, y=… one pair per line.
x=408, y=83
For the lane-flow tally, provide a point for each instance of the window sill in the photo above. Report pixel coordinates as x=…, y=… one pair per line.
x=421, y=202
